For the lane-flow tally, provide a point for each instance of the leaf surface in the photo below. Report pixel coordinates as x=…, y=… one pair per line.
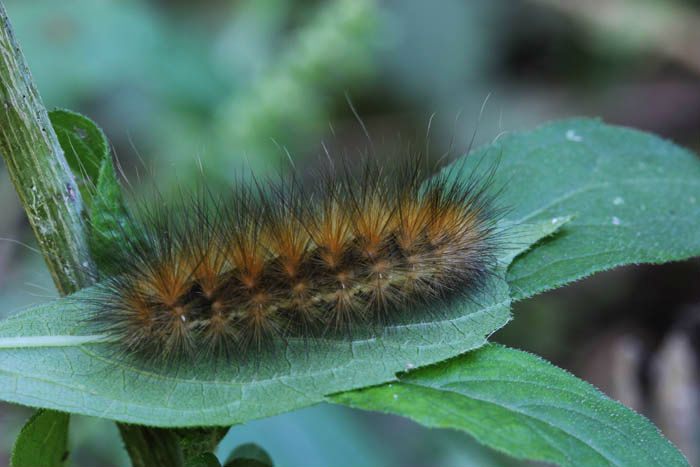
x=43, y=363
x=109, y=223
x=43, y=440
x=249, y=455
x=524, y=406
x=84, y=145
x=635, y=198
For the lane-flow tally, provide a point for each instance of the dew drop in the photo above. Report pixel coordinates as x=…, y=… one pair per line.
x=572, y=136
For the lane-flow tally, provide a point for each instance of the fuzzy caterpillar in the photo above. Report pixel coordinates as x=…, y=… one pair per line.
x=216, y=276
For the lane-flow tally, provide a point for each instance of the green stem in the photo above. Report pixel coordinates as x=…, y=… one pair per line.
x=39, y=171
x=148, y=446
x=50, y=196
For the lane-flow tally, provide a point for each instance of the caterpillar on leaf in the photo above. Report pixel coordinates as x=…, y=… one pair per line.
x=359, y=249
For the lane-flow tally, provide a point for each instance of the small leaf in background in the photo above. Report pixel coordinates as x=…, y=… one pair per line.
x=206, y=459
x=84, y=145
x=43, y=440
x=524, y=406
x=110, y=226
x=249, y=455
x=87, y=153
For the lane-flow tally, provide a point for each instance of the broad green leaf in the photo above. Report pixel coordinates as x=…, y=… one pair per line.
x=524, y=406
x=249, y=455
x=84, y=145
x=43, y=440
x=635, y=198
x=45, y=362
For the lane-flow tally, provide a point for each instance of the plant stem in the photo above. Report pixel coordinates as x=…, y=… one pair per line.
x=149, y=446
x=49, y=194
x=39, y=171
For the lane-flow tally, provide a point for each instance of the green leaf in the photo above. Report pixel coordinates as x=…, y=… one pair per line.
x=635, y=198
x=524, y=236
x=43, y=362
x=524, y=406
x=249, y=455
x=87, y=153
x=85, y=147
x=109, y=218
x=206, y=459
x=43, y=440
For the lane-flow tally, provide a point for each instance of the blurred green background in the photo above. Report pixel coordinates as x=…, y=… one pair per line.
x=235, y=85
